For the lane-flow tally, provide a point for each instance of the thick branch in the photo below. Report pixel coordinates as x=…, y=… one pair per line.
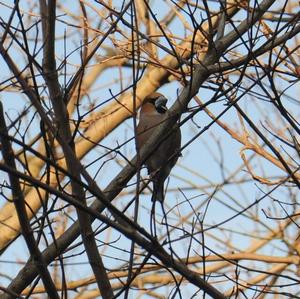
x=17, y=195
x=64, y=131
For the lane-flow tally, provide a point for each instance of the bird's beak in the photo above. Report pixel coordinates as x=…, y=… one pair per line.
x=160, y=104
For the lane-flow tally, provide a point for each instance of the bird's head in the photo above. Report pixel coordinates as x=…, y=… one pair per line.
x=155, y=103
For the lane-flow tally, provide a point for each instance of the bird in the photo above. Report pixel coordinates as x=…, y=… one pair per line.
x=160, y=163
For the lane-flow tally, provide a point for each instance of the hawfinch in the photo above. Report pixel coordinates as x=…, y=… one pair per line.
x=153, y=112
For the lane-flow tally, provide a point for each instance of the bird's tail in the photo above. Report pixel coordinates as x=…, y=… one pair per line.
x=158, y=191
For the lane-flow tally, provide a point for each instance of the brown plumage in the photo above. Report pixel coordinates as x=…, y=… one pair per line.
x=160, y=163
